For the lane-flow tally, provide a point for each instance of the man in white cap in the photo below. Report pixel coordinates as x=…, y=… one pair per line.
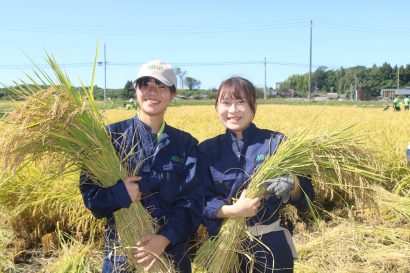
x=166, y=184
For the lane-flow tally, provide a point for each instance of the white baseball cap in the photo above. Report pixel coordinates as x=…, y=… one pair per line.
x=158, y=70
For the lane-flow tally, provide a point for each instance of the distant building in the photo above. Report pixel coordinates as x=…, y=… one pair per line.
x=391, y=93
x=180, y=97
x=332, y=95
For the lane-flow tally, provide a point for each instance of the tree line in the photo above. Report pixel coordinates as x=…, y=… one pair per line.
x=345, y=80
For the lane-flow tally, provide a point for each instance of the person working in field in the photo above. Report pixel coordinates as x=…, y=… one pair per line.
x=406, y=102
x=396, y=103
x=227, y=162
x=166, y=183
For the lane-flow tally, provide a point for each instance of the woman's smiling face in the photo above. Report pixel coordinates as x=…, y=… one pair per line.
x=234, y=113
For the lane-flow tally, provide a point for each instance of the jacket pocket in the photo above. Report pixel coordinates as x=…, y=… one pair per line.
x=222, y=181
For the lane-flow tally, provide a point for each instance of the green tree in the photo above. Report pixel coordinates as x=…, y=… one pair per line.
x=181, y=76
x=319, y=77
x=192, y=83
x=374, y=78
x=405, y=75
x=128, y=91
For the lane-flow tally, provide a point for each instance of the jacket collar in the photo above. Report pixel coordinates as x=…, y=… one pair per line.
x=147, y=133
x=246, y=134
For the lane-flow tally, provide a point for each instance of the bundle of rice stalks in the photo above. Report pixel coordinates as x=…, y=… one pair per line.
x=65, y=121
x=333, y=161
x=350, y=247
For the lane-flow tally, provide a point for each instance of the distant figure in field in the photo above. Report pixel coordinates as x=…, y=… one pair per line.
x=387, y=106
x=406, y=102
x=396, y=103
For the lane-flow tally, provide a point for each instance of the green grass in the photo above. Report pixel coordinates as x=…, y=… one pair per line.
x=5, y=107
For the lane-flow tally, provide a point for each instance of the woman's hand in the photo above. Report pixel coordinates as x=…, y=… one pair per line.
x=247, y=207
x=243, y=207
x=131, y=183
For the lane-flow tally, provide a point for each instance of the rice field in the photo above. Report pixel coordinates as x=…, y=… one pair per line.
x=345, y=237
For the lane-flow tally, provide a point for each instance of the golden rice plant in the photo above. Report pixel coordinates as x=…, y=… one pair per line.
x=391, y=206
x=6, y=237
x=64, y=120
x=351, y=246
x=73, y=256
x=38, y=197
x=333, y=160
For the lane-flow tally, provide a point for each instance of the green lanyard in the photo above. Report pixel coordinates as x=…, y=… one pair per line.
x=161, y=130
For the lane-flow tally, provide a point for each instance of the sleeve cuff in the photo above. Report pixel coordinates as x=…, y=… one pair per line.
x=170, y=234
x=212, y=208
x=120, y=193
x=307, y=193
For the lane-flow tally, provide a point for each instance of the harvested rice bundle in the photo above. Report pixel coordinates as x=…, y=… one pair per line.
x=333, y=161
x=63, y=120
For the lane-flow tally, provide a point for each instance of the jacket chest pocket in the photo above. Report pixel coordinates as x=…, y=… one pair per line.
x=222, y=181
x=173, y=176
x=173, y=170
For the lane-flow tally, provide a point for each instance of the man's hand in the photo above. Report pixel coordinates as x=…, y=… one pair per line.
x=149, y=249
x=280, y=186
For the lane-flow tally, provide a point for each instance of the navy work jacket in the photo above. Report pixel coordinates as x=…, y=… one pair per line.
x=170, y=188
x=227, y=164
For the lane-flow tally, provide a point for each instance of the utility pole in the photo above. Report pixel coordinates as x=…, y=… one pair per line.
x=351, y=91
x=264, y=92
x=398, y=79
x=356, y=81
x=105, y=74
x=310, y=62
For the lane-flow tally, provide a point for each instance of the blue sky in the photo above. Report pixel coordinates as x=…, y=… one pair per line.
x=211, y=40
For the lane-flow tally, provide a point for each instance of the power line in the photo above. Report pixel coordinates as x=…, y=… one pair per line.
x=200, y=29
x=366, y=28
x=184, y=64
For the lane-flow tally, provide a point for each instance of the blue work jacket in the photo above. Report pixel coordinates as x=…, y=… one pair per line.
x=227, y=164
x=170, y=188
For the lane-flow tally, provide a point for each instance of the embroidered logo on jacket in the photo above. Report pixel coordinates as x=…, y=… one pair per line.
x=260, y=157
x=176, y=158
